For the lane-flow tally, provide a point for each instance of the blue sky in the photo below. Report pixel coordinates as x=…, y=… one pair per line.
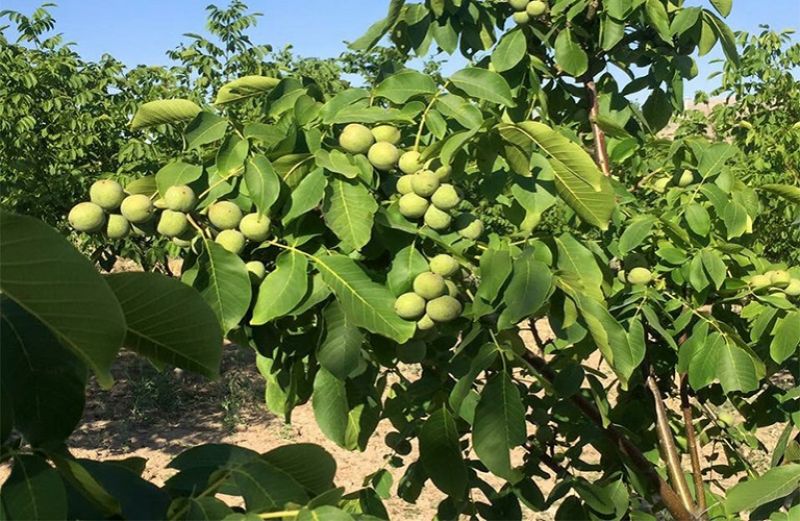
x=140, y=31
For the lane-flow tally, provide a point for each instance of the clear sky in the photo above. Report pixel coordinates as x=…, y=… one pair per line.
x=139, y=31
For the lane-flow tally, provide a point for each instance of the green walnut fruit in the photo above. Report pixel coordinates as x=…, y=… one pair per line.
x=107, y=194
x=256, y=270
x=225, y=215
x=356, y=138
x=660, y=185
x=426, y=323
x=137, y=208
x=413, y=206
x=443, y=172
x=518, y=5
x=780, y=278
x=444, y=265
x=255, y=227
x=172, y=224
x=469, y=226
x=231, y=240
x=640, y=276
x=760, y=281
x=437, y=219
x=410, y=162
x=452, y=289
x=793, y=288
x=521, y=18
x=445, y=197
x=687, y=178
x=386, y=134
x=412, y=352
x=409, y=306
x=536, y=8
x=443, y=309
x=180, y=198
x=383, y=156
x=404, y=185
x=429, y=285
x=117, y=227
x=160, y=203
x=87, y=217
x=425, y=183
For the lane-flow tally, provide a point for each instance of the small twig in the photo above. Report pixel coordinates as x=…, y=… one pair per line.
x=668, y=449
x=694, y=450
x=600, y=148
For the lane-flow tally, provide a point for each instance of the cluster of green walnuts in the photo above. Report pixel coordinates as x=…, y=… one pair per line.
x=776, y=280
x=172, y=216
x=525, y=10
x=424, y=191
x=434, y=298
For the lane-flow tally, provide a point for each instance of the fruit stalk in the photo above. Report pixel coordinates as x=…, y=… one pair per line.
x=694, y=451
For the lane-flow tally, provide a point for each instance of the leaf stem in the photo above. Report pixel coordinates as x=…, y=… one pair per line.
x=276, y=515
x=424, y=116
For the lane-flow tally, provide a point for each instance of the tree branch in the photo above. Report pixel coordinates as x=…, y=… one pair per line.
x=670, y=499
x=600, y=148
x=668, y=449
x=694, y=450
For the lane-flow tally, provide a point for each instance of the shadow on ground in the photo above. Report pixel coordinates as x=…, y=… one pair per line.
x=171, y=409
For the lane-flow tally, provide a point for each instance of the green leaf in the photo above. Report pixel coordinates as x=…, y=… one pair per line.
x=404, y=85
x=611, y=338
x=164, y=111
x=485, y=357
x=168, y=322
x=578, y=267
x=40, y=270
x=495, y=267
x=200, y=509
x=222, y=280
x=308, y=464
x=785, y=337
x=440, y=453
x=715, y=267
x=721, y=359
x=245, y=87
x=685, y=19
x=349, y=212
x=331, y=410
x=788, y=192
x=465, y=113
x=735, y=217
x=266, y=487
x=578, y=180
x=635, y=234
x=377, y=30
x=406, y=265
x=206, y=128
x=41, y=379
x=714, y=158
x=483, y=84
x=499, y=426
x=570, y=56
x=34, y=491
x=231, y=155
x=144, y=185
x=282, y=289
x=306, y=196
x=337, y=162
x=698, y=219
x=723, y=6
x=726, y=37
x=177, y=173
x=365, y=303
x=340, y=349
x=527, y=290
x=263, y=184
x=138, y=498
x=773, y=484
x=659, y=19
x=510, y=50
x=657, y=110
